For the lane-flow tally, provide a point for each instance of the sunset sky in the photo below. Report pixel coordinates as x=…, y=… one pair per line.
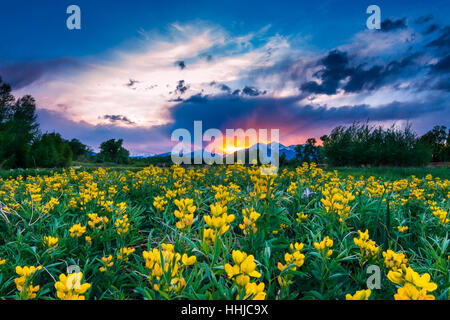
x=137, y=70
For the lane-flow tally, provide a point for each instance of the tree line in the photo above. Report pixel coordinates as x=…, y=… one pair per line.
x=363, y=145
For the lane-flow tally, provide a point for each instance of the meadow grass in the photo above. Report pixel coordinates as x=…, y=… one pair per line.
x=224, y=233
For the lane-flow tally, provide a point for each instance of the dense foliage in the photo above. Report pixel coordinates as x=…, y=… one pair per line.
x=17, y=128
x=223, y=232
x=113, y=151
x=439, y=140
x=50, y=150
x=361, y=144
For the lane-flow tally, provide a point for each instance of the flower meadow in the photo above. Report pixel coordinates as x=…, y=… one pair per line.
x=222, y=232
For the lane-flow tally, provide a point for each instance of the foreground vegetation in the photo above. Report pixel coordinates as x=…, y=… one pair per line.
x=224, y=232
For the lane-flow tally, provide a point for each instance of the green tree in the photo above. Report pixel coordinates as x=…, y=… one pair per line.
x=50, y=150
x=308, y=152
x=113, y=151
x=79, y=149
x=360, y=144
x=18, y=128
x=437, y=138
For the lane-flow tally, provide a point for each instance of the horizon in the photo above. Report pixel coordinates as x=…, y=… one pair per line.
x=139, y=72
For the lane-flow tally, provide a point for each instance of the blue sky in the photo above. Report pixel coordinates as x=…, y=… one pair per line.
x=139, y=69
x=40, y=25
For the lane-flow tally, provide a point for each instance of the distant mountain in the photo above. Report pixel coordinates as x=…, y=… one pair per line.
x=282, y=149
x=143, y=155
x=289, y=151
x=162, y=154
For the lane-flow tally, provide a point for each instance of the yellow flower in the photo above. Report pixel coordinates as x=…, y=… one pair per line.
x=219, y=222
x=250, y=217
x=107, y=262
x=410, y=292
x=296, y=258
x=69, y=287
x=209, y=235
x=50, y=242
x=359, y=295
x=402, y=228
x=254, y=291
x=124, y=253
x=159, y=203
x=368, y=248
x=292, y=188
x=188, y=260
x=406, y=275
x=337, y=201
x=301, y=217
x=323, y=246
x=2, y=261
x=394, y=261
x=185, y=213
x=24, y=284
x=77, y=230
x=441, y=214
x=95, y=220
x=122, y=225
x=243, y=269
x=165, y=265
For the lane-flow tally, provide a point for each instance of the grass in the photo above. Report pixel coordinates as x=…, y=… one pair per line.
x=122, y=228
x=390, y=173
x=393, y=173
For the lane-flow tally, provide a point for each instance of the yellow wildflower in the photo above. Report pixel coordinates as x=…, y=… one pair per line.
x=69, y=287
x=77, y=230
x=359, y=295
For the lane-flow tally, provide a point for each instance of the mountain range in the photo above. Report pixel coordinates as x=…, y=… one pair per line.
x=288, y=151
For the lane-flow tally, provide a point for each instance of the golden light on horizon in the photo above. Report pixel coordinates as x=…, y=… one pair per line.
x=231, y=149
x=226, y=148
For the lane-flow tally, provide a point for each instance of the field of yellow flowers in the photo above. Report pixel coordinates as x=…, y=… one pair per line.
x=224, y=232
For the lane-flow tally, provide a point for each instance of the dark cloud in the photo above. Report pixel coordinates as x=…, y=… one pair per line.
x=432, y=28
x=288, y=113
x=22, y=74
x=207, y=56
x=424, y=19
x=252, y=91
x=221, y=86
x=117, y=118
x=392, y=25
x=377, y=76
x=176, y=100
x=131, y=82
x=335, y=68
x=197, y=98
x=180, y=64
x=340, y=72
x=443, y=41
x=443, y=84
x=443, y=65
x=181, y=87
x=225, y=88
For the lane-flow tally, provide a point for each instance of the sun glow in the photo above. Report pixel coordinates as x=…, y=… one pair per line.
x=231, y=149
